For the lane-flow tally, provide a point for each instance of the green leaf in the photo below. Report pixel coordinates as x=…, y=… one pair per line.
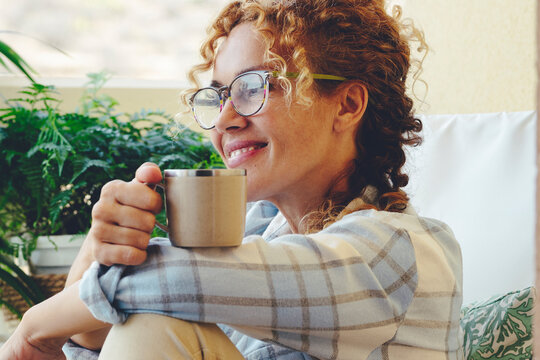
x=35, y=292
x=16, y=60
x=88, y=163
x=9, y=306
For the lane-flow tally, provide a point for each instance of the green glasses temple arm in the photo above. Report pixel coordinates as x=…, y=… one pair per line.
x=315, y=76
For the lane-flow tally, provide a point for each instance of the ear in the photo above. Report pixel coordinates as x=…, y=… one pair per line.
x=351, y=100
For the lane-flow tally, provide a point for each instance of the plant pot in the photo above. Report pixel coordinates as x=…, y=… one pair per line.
x=54, y=254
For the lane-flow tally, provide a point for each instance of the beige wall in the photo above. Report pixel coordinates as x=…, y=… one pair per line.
x=132, y=95
x=483, y=56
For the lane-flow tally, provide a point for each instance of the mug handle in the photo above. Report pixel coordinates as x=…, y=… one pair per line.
x=162, y=187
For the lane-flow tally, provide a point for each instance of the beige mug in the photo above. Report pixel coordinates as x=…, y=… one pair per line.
x=205, y=207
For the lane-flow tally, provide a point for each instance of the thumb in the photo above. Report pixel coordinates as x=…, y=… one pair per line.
x=148, y=173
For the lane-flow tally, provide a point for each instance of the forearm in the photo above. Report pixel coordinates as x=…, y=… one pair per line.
x=61, y=317
x=80, y=265
x=92, y=340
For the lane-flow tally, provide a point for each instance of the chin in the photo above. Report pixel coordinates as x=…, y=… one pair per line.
x=254, y=192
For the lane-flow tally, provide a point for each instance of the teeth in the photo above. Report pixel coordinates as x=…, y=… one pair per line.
x=236, y=153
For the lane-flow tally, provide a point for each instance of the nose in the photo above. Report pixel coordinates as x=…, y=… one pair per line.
x=229, y=120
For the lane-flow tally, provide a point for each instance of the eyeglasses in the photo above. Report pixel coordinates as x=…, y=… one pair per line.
x=247, y=92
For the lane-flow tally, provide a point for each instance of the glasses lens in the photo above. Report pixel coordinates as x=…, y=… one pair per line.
x=248, y=93
x=206, y=107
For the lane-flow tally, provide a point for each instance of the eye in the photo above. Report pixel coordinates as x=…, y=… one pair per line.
x=253, y=92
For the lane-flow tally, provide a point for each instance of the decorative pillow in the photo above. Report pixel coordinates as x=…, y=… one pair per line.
x=499, y=328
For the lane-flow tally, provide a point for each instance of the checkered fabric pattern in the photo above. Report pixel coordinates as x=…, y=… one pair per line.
x=373, y=285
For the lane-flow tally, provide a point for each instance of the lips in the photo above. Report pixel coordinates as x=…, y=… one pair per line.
x=237, y=148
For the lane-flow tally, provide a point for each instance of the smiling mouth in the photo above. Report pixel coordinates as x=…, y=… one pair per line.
x=238, y=152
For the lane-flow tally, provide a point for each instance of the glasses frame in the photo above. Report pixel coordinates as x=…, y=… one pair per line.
x=265, y=75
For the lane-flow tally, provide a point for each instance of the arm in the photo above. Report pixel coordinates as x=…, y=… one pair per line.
x=92, y=339
x=48, y=325
x=290, y=289
x=122, y=222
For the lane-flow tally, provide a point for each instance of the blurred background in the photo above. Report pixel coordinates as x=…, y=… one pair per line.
x=140, y=39
x=482, y=56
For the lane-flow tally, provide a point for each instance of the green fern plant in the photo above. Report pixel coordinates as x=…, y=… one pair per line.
x=10, y=274
x=55, y=163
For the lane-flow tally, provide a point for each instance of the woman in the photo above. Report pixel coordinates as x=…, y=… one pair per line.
x=335, y=263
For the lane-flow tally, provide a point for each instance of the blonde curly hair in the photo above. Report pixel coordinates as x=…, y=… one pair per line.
x=355, y=39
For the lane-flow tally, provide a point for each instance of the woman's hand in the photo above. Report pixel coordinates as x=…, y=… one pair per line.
x=122, y=222
x=21, y=346
x=124, y=217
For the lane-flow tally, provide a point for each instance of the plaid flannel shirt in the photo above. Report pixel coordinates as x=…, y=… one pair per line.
x=373, y=285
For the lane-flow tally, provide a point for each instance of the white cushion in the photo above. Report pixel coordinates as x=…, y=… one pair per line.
x=477, y=173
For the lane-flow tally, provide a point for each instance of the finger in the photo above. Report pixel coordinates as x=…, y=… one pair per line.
x=132, y=194
x=148, y=173
x=109, y=190
x=116, y=235
x=124, y=216
x=140, y=196
x=110, y=254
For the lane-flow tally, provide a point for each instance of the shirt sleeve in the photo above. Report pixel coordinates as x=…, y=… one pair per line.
x=356, y=278
x=76, y=352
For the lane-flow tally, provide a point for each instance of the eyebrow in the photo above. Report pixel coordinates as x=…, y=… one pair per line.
x=216, y=83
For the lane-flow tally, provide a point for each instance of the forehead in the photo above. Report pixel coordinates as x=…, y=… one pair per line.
x=242, y=50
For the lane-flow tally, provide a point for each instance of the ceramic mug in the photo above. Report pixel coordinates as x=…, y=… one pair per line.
x=205, y=207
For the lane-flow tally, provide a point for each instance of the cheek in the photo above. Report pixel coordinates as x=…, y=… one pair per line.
x=216, y=140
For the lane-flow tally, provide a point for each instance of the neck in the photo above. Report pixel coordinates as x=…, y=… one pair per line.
x=295, y=211
x=296, y=203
